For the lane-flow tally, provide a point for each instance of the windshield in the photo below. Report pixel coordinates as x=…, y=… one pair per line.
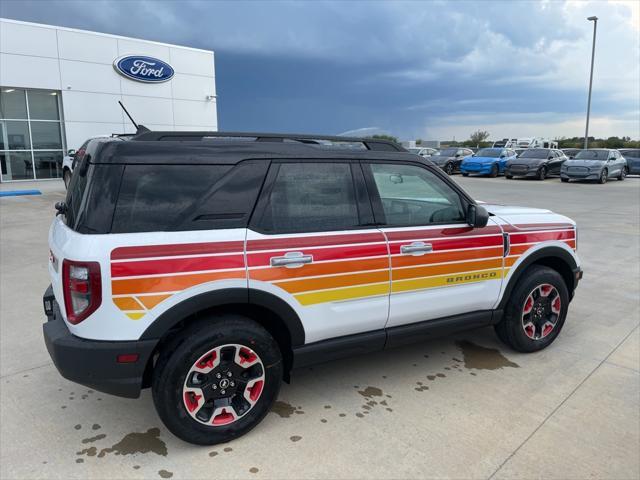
x=448, y=152
x=535, y=153
x=631, y=153
x=592, y=155
x=489, y=152
x=415, y=150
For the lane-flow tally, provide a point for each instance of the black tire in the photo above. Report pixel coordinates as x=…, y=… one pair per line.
x=623, y=174
x=542, y=173
x=66, y=178
x=494, y=171
x=564, y=180
x=179, y=355
x=448, y=168
x=464, y=174
x=511, y=329
x=604, y=175
x=508, y=177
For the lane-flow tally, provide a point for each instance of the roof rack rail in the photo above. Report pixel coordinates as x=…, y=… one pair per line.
x=176, y=136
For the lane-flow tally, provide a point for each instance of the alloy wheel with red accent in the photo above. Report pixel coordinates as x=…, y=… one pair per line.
x=535, y=309
x=541, y=311
x=217, y=379
x=223, y=385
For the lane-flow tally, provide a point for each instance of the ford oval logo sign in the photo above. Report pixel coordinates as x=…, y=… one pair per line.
x=143, y=69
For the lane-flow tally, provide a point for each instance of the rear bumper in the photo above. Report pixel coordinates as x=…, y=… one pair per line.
x=94, y=363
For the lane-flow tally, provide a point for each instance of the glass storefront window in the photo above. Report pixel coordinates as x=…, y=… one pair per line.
x=43, y=105
x=15, y=135
x=48, y=164
x=13, y=103
x=46, y=135
x=31, y=141
x=16, y=165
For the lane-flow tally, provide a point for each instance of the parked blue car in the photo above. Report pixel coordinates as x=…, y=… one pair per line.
x=487, y=161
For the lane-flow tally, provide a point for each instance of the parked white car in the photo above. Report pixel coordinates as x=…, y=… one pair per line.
x=71, y=158
x=424, y=151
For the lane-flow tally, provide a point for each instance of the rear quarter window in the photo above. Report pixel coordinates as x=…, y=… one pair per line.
x=187, y=197
x=156, y=197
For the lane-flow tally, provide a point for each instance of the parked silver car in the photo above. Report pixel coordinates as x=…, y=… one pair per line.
x=598, y=164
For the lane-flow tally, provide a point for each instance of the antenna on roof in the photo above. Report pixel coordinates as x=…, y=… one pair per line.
x=139, y=128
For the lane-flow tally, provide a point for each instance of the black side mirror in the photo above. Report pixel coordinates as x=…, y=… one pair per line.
x=477, y=216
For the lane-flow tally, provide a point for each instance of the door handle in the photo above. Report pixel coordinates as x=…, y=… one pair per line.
x=416, y=248
x=291, y=260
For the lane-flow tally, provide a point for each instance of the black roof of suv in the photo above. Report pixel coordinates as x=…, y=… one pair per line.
x=155, y=181
x=231, y=147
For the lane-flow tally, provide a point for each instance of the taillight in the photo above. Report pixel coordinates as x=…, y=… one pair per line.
x=82, y=288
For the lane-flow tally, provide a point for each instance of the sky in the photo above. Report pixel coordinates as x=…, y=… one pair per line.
x=430, y=70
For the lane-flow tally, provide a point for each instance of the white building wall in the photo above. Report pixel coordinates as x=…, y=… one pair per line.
x=80, y=65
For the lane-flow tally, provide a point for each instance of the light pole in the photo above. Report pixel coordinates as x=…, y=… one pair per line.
x=593, y=52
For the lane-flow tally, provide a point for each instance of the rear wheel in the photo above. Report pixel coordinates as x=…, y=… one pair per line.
x=217, y=380
x=542, y=173
x=623, y=174
x=508, y=177
x=536, y=311
x=494, y=171
x=564, y=180
x=464, y=174
x=603, y=176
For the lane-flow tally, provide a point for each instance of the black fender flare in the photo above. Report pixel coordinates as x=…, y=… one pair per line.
x=220, y=298
x=552, y=256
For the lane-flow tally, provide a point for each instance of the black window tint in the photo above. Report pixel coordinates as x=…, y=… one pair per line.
x=414, y=196
x=310, y=197
x=157, y=197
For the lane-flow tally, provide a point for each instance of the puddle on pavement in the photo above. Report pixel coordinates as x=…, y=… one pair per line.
x=89, y=452
x=138, y=442
x=370, y=392
x=165, y=474
x=94, y=439
x=295, y=438
x=483, y=358
x=284, y=409
x=253, y=470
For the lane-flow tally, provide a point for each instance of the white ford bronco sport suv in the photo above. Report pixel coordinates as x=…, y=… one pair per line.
x=208, y=265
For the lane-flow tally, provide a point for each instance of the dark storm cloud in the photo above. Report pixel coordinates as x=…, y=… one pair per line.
x=401, y=67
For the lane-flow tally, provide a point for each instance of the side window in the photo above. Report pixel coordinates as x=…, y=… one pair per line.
x=413, y=196
x=310, y=197
x=161, y=197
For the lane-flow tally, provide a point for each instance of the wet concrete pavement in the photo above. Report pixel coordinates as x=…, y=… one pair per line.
x=458, y=407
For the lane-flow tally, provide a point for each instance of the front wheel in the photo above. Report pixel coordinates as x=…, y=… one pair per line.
x=494, y=171
x=464, y=174
x=508, y=177
x=603, y=177
x=564, y=180
x=536, y=311
x=449, y=168
x=542, y=173
x=217, y=379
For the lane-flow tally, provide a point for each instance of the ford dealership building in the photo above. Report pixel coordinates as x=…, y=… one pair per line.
x=60, y=86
